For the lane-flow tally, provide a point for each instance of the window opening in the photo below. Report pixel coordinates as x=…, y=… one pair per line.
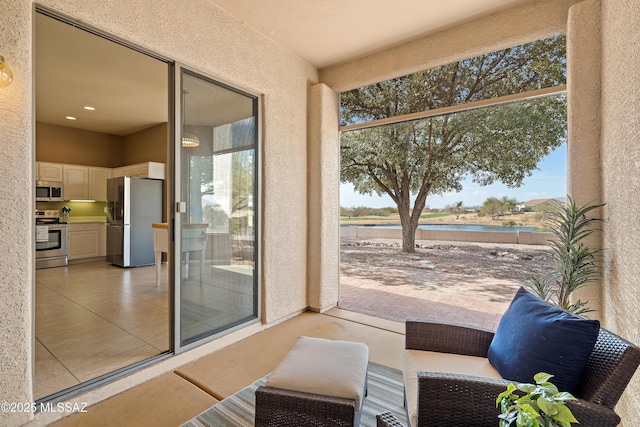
x=491, y=118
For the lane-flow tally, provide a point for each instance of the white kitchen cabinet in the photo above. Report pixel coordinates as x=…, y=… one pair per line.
x=103, y=240
x=84, y=240
x=98, y=183
x=76, y=182
x=122, y=171
x=46, y=171
x=153, y=170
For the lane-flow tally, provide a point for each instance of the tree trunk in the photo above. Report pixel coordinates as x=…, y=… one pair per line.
x=409, y=238
x=409, y=226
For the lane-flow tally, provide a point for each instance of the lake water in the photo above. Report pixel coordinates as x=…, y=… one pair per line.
x=456, y=227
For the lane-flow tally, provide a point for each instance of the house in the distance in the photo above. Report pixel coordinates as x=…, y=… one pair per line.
x=538, y=204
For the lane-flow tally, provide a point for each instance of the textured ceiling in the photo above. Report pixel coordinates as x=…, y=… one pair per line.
x=326, y=32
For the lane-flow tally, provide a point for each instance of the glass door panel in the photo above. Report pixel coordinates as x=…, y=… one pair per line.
x=216, y=222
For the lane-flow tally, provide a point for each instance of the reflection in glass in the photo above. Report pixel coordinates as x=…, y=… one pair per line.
x=218, y=286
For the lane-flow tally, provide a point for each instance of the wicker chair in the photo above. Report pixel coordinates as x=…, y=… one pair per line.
x=450, y=399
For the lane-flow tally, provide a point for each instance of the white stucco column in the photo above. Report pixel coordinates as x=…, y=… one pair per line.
x=16, y=204
x=323, y=272
x=621, y=181
x=584, y=88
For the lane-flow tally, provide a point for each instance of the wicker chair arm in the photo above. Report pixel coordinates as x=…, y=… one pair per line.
x=591, y=414
x=465, y=400
x=447, y=338
x=387, y=419
x=458, y=400
x=287, y=408
x=611, y=366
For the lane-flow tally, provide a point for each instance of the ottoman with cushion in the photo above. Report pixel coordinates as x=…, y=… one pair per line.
x=319, y=382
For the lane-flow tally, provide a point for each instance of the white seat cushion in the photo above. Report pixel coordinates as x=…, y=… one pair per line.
x=414, y=361
x=326, y=367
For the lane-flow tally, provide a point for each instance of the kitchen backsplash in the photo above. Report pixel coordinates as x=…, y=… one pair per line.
x=78, y=209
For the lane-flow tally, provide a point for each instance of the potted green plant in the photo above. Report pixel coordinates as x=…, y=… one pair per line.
x=543, y=405
x=574, y=261
x=65, y=213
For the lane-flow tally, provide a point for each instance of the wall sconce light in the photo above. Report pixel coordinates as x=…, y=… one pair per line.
x=6, y=75
x=190, y=140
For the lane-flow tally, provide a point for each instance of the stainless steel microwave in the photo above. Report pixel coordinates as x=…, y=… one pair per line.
x=49, y=191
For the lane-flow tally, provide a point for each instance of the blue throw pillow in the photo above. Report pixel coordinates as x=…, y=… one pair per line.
x=534, y=336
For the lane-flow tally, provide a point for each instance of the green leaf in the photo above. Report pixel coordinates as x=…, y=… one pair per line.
x=547, y=406
x=564, y=415
x=542, y=377
x=529, y=409
x=527, y=388
x=564, y=396
x=548, y=388
x=526, y=419
x=505, y=395
x=524, y=400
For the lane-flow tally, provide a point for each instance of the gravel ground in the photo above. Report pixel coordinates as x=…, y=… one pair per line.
x=500, y=261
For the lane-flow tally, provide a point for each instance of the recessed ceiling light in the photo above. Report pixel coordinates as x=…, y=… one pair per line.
x=70, y=118
x=89, y=108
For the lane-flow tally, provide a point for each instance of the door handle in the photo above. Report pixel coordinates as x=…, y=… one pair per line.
x=181, y=207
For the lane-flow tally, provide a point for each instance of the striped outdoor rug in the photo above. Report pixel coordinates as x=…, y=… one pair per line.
x=385, y=393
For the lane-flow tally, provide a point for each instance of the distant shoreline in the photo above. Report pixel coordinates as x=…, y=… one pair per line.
x=528, y=219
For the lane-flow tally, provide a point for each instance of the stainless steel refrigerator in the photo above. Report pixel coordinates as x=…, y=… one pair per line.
x=133, y=204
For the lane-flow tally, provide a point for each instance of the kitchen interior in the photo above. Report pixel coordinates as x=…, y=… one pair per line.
x=93, y=314
x=104, y=299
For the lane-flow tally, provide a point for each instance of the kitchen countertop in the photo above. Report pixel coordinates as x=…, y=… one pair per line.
x=76, y=219
x=184, y=225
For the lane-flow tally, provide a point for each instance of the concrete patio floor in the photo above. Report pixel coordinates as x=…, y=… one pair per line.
x=401, y=294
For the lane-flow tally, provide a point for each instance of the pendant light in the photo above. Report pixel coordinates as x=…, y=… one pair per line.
x=6, y=75
x=189, y=140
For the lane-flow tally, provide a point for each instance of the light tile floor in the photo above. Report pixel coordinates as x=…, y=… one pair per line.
x=94, y=318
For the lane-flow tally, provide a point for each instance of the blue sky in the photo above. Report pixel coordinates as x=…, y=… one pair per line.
x=549, y=181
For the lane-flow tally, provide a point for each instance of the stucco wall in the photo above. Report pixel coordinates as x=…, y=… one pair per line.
x=324, y=199
x=584, y=162
x=16, y=205
x=204, y=37
x=621, y=179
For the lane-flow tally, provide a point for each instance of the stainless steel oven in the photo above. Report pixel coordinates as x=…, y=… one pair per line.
x=51, y=240
x=49, y=191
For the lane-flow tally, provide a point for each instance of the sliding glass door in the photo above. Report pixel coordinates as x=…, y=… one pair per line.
x=216, y=226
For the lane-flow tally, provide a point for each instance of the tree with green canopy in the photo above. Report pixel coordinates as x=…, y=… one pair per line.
x=455, y=209
x=415, y=159
x=495, y=207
